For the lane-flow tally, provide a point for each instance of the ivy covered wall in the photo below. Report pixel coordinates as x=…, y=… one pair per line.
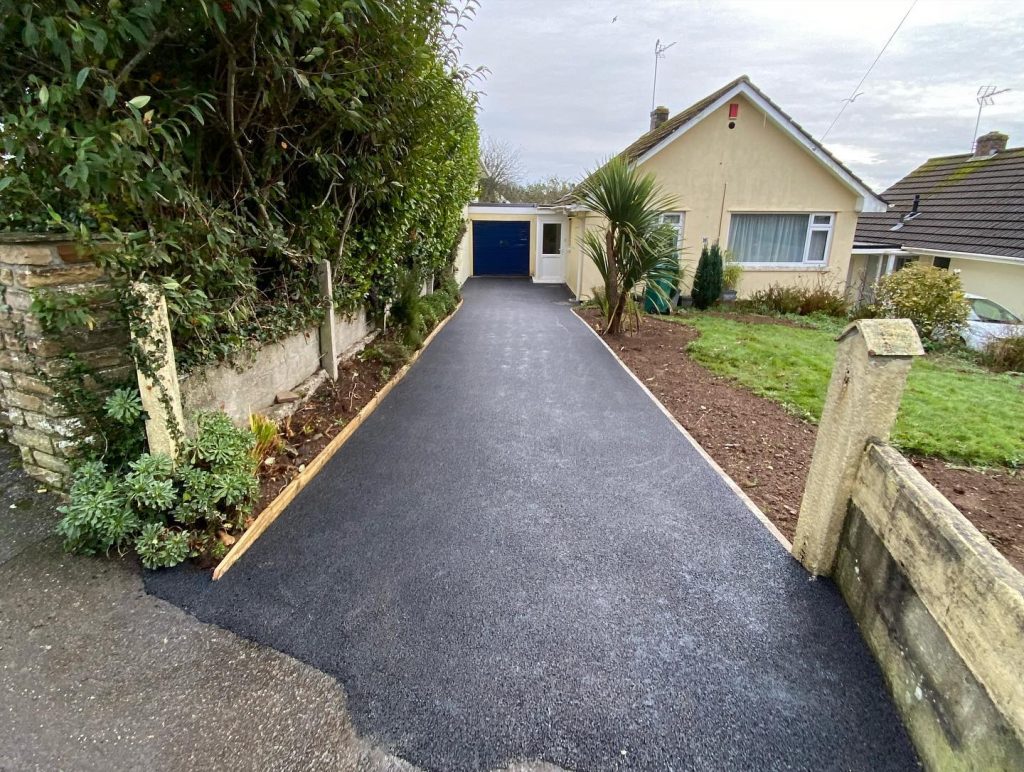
x=225, y=148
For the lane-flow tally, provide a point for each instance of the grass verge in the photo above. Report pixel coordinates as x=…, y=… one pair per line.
x=951, y=408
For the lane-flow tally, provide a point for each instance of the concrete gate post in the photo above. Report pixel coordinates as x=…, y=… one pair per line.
x=870, y=371
x=158, y=381
x=328, y=345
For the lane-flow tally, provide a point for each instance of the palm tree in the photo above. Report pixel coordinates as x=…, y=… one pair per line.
x=634, y=248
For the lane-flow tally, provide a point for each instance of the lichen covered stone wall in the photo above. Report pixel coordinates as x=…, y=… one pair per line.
x=30, y=358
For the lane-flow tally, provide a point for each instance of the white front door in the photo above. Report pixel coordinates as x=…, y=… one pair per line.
x=552, y=238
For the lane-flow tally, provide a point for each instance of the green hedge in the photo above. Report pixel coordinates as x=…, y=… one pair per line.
x=226, y=148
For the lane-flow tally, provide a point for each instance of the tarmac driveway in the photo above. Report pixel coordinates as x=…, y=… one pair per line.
x=519, y=557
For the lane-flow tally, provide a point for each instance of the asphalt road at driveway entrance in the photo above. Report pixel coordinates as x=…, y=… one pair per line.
x=519, y=557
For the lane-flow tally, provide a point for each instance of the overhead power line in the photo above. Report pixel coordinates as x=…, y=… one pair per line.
x=854, y=94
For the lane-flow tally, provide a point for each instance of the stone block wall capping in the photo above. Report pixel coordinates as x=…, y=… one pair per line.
x=933, y=589
x=941, y=610
x=870, y=371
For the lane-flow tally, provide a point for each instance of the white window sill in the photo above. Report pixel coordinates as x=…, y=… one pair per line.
x=805, y=267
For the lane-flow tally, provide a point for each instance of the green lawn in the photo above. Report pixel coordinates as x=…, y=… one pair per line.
x=951, y=408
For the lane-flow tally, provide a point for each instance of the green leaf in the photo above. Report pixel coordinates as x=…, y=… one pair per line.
x=44, y=95
x=6, y=182
x=139, y=102
x=109, y=94
x=82, y=75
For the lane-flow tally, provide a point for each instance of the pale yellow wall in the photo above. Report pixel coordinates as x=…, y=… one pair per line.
x=714, y=171
x=530, y=218
x=591, y=277
x=464, y=254
x=856, y=278
x=1001, y=282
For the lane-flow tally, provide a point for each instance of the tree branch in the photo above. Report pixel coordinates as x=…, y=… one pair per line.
x=141, y=54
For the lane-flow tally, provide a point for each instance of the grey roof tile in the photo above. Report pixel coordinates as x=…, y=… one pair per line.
x=967, y=204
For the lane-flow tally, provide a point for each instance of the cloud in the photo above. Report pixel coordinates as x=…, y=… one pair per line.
x=571, y=87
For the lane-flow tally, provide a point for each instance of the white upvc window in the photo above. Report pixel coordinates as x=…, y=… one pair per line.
x=675, y=219
x=781, y=239
x=819, y=237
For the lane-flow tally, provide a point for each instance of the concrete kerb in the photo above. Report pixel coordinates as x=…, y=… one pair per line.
x=271, y=512
x=772, y=529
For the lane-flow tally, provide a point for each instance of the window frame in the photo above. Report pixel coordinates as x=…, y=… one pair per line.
x=679, y=227
x=560, y=240
x=804, y=263
x=812, y=228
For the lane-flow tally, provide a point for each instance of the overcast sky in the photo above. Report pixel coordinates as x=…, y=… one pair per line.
x=569, y=87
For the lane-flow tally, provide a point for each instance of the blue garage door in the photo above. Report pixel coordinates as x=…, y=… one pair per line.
x=501, y=248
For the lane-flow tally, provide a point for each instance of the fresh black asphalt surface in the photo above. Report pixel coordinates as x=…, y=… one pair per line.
x=519, y=557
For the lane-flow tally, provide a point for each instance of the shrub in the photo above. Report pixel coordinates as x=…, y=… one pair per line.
x=167, y=511
x=161, y=547
x=707, y=282
x=865, y=311
x=1004, y=354
x=407, y=308
x=820, y=298
x=598, y=300
x=930, y=298
x=391, y=354
x=266, y=437
x=229, y=147
x=731, y=272
x=451, y=287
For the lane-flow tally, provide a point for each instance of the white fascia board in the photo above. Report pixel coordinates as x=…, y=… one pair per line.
x=484, y=209
x=924, y=251
x=867, y=202
x=878, y=251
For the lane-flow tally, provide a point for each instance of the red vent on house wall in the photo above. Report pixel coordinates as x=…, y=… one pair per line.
x=734, y=111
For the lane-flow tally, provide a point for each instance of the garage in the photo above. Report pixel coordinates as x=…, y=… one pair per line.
x=501, y=248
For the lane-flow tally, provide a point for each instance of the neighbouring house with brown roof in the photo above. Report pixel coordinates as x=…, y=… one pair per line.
x=962, y=213
x=743, y=173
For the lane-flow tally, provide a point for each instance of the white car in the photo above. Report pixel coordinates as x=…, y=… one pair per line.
x=987, y=321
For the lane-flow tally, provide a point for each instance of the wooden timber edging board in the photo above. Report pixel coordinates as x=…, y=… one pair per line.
x=291, y=490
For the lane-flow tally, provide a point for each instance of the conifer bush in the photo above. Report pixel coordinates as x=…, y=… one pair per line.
x=707, y=281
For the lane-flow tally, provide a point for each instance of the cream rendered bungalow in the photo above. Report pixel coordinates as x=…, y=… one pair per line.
x=961, y=213
x=744, y=174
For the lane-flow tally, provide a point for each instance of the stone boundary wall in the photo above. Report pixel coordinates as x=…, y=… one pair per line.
x=942, y=611
x=29, y=414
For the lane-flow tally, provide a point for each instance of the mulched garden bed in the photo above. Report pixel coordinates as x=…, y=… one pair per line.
x=308, y=430
x=767, y=450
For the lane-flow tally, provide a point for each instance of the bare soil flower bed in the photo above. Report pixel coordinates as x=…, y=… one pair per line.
x=308, y=430
x=767, y=450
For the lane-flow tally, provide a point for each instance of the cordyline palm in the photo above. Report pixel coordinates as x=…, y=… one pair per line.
x=635, y=247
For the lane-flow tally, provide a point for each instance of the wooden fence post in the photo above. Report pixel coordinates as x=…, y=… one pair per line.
x=328, y=345
x=158, y=380
x=872, y=363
